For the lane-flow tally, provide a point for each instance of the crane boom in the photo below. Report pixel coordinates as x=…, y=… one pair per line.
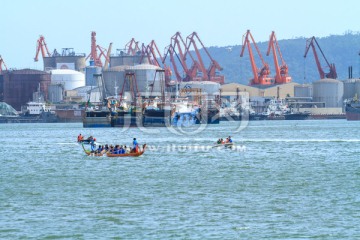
x=2, y=63
x=177, y=42
x=41, y=46
x=191, y=41
x=260, y=75
x=107, y=59
x=211, y=72
x=281, y=75
x=170, y=50
x=94, y=57
x=332, y=73
x=132, y=47
x=153, y=53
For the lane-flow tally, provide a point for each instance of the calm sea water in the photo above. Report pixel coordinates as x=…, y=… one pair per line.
x=286, y=180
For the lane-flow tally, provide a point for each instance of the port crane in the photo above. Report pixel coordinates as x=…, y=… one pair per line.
x=130, y=79
x=282, y=71
x=2, y=63
x=260, y=75
x=191, y=41
x=94, y=57
x=132, y=47
x=177, y=48
x=152, y=52
x=41, y=46
x=311, y=42
x=171, y=51
x=209, y=74
x=107, y=58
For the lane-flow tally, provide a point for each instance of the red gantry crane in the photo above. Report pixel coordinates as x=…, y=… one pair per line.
x=94, y=57
x=2, y=63
x=197, y=70
x=190, y=41
x=151, y=51
x=171, y=51
x=132, y=47
x=332, y=73
x=260, y=75
x=282, y=71
x=177, y=48
x=209, y=74
x=41, y=46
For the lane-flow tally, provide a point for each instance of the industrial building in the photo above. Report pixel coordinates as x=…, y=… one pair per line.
x=124, y=59
x=329, y=91
x=351, y=88
x=232, y=90
x=69, y=79
x=18, y=86
x=71, y=61
x=195, y=90
x=89, y=75
x=145, y=76
x=67, y=59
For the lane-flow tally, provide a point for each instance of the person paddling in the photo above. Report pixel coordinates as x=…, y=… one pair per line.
x=135, y=145
x=80, y=138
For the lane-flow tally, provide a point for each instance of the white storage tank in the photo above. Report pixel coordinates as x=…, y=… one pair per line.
x=69, y=79
x=329, y=91
x=114, y=78
x=303, y=90
x=55, y=93
x=89, y=75
x=209, y=89
x=144, y=74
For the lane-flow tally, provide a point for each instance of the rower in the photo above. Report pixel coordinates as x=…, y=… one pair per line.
x=99, y=150
x=80, y=138
x=229, y=140
x=135, y=145
x=93, y=146
x=122, y=150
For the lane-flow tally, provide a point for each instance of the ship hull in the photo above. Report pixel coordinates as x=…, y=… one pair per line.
x=42, y=118
x=352, y=113
x=156, y=118
x=96, y=119
x=296, y=116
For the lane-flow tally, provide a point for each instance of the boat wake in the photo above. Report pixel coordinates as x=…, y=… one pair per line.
x=194, y=148
x=300, y=140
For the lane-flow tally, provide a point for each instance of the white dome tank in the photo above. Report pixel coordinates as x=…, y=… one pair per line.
x=210, y=88
x=329, y=91
x=69, y=79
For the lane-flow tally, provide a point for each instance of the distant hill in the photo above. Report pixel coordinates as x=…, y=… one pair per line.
x=342, y=50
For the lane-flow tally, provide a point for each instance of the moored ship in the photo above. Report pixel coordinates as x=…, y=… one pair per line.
x=97, y=118
x=33, y=112
x=352, y=110
x=296, y=115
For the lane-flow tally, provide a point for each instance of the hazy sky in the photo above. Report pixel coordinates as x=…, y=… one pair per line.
x=68, y=23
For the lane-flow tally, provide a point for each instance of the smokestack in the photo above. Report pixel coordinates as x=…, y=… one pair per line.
x=350, y=72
